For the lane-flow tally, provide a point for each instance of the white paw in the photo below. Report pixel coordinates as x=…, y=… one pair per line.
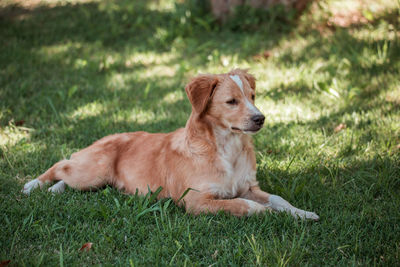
x=279, y=204
x=29, y=186
x=305, y=215
x=58, y=188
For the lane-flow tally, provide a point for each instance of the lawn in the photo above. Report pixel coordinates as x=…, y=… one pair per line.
x=328, y=83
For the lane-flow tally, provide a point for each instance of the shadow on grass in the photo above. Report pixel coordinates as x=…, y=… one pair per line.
x=373, y=178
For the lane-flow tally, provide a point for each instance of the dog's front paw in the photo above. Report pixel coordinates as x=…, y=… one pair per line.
x=279, y=204
x=305, y=215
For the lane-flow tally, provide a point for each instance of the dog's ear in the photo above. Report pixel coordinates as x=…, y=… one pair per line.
x=200, y=91
x=250, y=78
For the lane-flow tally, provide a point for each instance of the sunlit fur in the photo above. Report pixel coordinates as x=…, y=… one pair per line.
x=213, y=155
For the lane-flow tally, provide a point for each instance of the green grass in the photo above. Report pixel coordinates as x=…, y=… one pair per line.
x=73, y=72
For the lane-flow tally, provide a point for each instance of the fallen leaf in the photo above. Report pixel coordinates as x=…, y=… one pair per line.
x=4, y=263
x=86, y=247
x=340, y=127
x=20, y=123
x=264, y=55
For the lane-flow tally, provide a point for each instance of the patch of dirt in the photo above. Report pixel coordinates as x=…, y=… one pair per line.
x=25, y=4
x=347, y=18
x=21, y=9
x=346, y=14
x=18, y=9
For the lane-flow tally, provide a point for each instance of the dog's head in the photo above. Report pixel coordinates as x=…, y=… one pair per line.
x=228, y=99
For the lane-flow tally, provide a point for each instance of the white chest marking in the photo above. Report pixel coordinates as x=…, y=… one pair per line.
x=237, y=171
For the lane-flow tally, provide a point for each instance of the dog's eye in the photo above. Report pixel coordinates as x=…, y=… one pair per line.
x=232, y=102
x=253, y=97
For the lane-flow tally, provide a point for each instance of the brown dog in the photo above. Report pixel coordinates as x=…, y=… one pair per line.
x=213, y=155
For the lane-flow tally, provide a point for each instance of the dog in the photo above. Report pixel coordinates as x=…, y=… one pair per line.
x=213, y=155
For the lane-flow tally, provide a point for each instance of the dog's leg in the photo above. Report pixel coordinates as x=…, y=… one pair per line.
x=257, y=195
x=76, y=173
x=236, y=206
x=277, y=203
x=48, y=176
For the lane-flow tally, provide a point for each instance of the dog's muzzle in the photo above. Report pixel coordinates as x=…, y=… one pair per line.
x=258, y=120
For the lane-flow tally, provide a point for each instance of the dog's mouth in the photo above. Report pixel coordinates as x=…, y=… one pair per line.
x=249, y=130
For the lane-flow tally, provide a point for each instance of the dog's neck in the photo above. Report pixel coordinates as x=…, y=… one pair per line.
x=204, y=135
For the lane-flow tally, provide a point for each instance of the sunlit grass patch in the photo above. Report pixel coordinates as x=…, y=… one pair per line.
x=173, y=97
x=150, y=58
x=158, y=71
x=289, y=110
x=88, y=110
x=10, y=135
x=393, y=95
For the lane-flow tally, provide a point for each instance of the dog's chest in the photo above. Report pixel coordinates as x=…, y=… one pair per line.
x=237, y=171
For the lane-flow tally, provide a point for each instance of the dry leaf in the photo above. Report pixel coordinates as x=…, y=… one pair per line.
x=340, y=127
x=20, y=123
x=86, y=247
x=264, y=55
x=4, y=263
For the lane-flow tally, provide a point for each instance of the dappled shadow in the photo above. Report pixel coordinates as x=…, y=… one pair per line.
x=70, y=56
x=52, y=71
x=338, y=51
x=119, y=25
x=134, y=25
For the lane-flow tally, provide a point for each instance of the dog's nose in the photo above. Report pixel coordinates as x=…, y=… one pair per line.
x=258, y=119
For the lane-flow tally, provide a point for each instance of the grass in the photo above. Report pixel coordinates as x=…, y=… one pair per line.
x=72, y=72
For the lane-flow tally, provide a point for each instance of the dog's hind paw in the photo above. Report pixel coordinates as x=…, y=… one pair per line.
x=58, y=188
x=29, y=186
